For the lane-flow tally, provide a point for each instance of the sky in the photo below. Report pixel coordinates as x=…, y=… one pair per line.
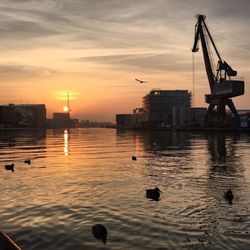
x=94, y=49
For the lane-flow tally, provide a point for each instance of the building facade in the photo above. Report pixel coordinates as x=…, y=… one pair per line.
x=23, y=116
x=62, y=120
x=197, y=116
x=138, y=119
x=167, y=108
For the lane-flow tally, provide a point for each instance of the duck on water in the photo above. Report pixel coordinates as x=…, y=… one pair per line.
x=100, y=232
x=153, y=194
x=28, y=161
x=228, y=195
x=10, y=167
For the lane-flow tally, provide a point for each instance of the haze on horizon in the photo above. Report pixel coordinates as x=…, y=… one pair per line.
x=95, y=49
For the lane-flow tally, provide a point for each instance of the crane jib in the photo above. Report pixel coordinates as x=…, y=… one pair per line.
x=222, y=87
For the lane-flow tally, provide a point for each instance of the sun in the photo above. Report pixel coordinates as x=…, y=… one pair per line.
x=66, y=109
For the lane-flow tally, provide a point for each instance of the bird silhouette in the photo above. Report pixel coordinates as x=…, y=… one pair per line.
x=140, y=81
x=228, y=195
x=134, y=158
x=28, y=161
x=10, y=167
x=100, y=232
x=153, y=194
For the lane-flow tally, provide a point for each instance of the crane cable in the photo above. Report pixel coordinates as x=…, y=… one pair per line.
x=193, y=80
x=193, y=99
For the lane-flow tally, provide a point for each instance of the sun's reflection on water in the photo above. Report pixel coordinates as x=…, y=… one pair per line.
x=66, y=142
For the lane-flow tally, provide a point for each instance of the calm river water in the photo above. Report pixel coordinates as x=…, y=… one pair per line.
x=81, y=177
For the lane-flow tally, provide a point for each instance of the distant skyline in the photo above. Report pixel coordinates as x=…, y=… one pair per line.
x=94, y=49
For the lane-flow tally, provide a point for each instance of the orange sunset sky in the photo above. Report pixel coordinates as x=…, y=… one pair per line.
x=96, y=48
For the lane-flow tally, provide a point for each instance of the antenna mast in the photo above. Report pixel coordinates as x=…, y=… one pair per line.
x=68, y=102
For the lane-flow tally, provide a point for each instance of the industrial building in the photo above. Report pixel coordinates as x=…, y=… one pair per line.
x=61, y=120
x=161, y=109
x=139, y=119
x=23, y=116
x=197, y=116
x=126, y=121
x=167, y=108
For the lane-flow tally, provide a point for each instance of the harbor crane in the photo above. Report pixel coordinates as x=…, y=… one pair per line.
x=222, y=81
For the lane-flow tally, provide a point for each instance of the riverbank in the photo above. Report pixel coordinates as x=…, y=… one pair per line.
x=233, y=130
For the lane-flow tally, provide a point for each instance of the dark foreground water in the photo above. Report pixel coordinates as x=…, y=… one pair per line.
x=86, y=176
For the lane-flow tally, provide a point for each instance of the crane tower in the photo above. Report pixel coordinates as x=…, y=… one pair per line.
x=222, y=81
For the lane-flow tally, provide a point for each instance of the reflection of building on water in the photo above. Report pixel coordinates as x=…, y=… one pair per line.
x=222, y=170
x=66, y=142
x=225, y=169
x=32, y=140
x=22, y=116
x=158, y=140
x=161, y=140
x=221, y=148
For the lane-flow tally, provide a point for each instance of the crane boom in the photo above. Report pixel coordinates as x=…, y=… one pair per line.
x=200, y=35
x=222, y=87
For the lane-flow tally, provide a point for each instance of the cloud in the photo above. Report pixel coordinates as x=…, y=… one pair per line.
x=24, y=29
x=10, y=72
x=146, y=61
x=112, y=23
x=102, y=24
x=141, y=25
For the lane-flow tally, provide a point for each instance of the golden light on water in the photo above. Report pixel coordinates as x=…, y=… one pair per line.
x=66, y=143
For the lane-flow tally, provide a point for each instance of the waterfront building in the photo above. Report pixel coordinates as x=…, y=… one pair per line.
x=138, y=119
x=23, y=116
x=167, y=108
x=161, y=109
x=9, y=117
x=62, y=120
x=244, y=118
x=197, y=116
x=125, y=121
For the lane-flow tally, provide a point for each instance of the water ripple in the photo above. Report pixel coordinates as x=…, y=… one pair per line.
x=88, y=177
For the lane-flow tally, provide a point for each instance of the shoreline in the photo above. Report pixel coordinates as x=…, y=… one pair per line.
x=205, y=129
x=241, y=130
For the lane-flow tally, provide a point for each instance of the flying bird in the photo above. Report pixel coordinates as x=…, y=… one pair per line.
x=140, y=81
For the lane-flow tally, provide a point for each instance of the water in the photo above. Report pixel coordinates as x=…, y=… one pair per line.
x=81, y=177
